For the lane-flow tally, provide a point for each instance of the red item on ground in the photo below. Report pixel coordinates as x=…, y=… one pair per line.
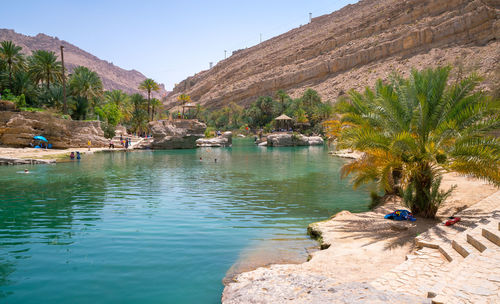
x=452, y=221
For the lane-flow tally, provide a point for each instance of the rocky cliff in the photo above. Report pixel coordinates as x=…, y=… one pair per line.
x=113, y=77
x=18, y=128
x=352, y=47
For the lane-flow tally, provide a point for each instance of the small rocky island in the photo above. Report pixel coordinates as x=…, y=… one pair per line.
x=292, y=139
x=176, y=134
x=224, y=140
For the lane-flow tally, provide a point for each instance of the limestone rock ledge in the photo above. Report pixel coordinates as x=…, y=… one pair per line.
x=275, y=286
x=225, y=140
x=176, y=134
x=18, y=128
x=288, y=139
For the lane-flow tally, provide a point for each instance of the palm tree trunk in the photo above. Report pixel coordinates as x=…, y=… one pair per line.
x=10, y=76
x=423, y=183
x=149, y=102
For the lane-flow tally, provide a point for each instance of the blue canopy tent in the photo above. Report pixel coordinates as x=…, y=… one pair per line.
x=40, y=139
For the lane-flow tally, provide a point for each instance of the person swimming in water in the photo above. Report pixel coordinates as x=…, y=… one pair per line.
x=26, y=171
x=78, y=155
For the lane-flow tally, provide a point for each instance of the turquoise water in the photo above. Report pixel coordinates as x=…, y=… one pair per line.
x=162, y=226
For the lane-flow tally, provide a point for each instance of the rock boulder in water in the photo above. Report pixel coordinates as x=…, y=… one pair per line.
x=225, y=140
x=176, y=134
x=288, y=139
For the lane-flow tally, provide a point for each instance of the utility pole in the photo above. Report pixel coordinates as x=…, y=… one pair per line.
x=225, y=54
x=310, y=17
x=65, y=105
x=211, y=64
x=260, y=38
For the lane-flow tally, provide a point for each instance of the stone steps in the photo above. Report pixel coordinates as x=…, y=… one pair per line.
x=492, y=234
x=462, y=284
x=454, y=264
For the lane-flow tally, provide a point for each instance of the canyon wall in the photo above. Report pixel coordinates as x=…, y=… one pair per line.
x=354, y=46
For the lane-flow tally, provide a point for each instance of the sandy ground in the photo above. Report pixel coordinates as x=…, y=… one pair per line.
x=27, y=153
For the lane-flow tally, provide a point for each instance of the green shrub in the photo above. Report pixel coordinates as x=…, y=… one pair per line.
x=109, y=129
x=209, y=132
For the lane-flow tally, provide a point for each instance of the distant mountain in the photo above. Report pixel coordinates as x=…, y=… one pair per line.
x=352, y=47
x=113, y=77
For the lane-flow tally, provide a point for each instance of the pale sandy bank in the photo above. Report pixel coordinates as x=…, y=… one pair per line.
x=361, y=247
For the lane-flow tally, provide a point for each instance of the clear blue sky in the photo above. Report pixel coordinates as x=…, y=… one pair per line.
x=165, y=40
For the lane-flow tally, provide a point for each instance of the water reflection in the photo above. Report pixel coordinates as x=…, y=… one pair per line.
x=140, y=221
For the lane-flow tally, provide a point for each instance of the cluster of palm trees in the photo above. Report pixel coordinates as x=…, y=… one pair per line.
x=36, y=81
x=414, y=129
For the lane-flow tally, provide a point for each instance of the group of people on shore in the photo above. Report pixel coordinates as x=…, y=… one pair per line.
x=124, y=142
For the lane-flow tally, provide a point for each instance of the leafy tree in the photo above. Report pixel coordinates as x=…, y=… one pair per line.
x=111, y=113
x=149, y=85
x=43, y=66
x=12, y=58
x=122, y=100
x=411, y=130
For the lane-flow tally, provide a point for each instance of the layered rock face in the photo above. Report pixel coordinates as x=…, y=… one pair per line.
x=225, y=140
x=18, y=128
x=176, y=134
x=354, y=46
x=287, y=139
x=113, y=77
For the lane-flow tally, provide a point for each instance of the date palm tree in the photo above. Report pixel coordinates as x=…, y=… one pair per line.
x=44, y=67
x=155, y=104
x=149, y=85
x=86, y=84
x=12, y=58
x=139, y=115
x=282, y=96
x=412, y=130
x=117, y=97
x=183, y=99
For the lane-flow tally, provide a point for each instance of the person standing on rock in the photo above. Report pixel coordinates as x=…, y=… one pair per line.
x=89, y=143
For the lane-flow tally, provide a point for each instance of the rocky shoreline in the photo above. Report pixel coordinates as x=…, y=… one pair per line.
x=357, y=250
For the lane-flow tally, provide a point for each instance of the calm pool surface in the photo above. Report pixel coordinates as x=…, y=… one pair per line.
x=162, y=226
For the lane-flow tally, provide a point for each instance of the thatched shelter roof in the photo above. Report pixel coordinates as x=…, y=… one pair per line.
x=189, y=105
x=283, y=117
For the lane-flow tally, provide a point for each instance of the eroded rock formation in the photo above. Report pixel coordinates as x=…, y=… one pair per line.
x=225, y=140
x=176, y=134
x=354, y=46
x=18, y=128
x=288, y=139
